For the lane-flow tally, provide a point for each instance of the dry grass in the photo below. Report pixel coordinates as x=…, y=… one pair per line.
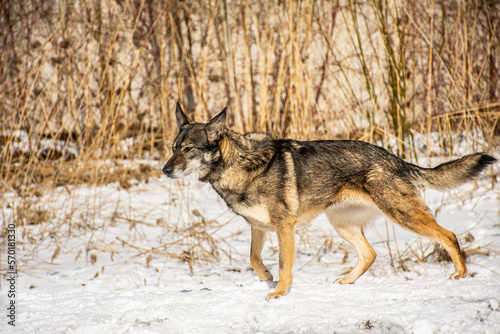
x=98, y=80
x=88, y=87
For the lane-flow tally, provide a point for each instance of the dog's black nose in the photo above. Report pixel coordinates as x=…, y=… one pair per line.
x=167, y=170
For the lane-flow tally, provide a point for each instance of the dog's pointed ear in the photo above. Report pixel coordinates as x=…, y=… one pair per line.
x=181, y=117
x=216, y=125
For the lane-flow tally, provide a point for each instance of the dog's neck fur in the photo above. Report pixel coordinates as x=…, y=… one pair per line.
x=251, y=152
x=229, y=149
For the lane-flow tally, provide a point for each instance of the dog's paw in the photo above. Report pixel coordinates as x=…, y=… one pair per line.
x=342, y=280
x=267, y=276
x=275, y=294
x=458, y=275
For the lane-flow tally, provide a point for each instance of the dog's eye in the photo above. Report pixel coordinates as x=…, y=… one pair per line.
x=186, y=149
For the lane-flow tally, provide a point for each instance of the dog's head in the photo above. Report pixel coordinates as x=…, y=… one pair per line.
x=195, y=149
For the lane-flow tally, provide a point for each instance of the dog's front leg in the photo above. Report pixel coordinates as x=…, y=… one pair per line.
x=258, y=239
x=286, y=242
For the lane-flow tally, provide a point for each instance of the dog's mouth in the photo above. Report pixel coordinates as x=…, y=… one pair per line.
x=170, y=171
x=191, y=167
x=175, y=173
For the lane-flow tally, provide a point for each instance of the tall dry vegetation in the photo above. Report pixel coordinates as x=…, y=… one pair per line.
x=83, y=81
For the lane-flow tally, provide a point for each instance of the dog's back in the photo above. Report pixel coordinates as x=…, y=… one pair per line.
x=327, y=171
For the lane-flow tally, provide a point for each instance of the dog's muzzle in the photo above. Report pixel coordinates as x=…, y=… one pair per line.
x=168, y=170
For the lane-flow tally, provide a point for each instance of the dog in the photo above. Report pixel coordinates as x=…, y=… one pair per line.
x=280, y=184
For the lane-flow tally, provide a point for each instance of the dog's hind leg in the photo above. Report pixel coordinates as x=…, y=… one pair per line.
x=349, y=221
x=406, y=208
x=366, y=255
x=423, y=223
x=258, y=239
x=353, y=233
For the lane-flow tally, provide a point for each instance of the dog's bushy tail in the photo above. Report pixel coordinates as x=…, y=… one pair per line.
x=453, y=173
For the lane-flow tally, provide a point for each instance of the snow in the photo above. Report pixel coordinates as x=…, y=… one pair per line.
x=22, y=143
x=167, y=256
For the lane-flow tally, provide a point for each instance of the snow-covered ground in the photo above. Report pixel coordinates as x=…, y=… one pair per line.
x=168, y=257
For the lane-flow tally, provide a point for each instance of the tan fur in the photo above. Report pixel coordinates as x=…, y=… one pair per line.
x=258, y=239
x=286, y=242
x=291, y=195
x=229, y=154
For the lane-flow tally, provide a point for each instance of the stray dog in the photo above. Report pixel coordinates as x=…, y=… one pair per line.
x=279, y=184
